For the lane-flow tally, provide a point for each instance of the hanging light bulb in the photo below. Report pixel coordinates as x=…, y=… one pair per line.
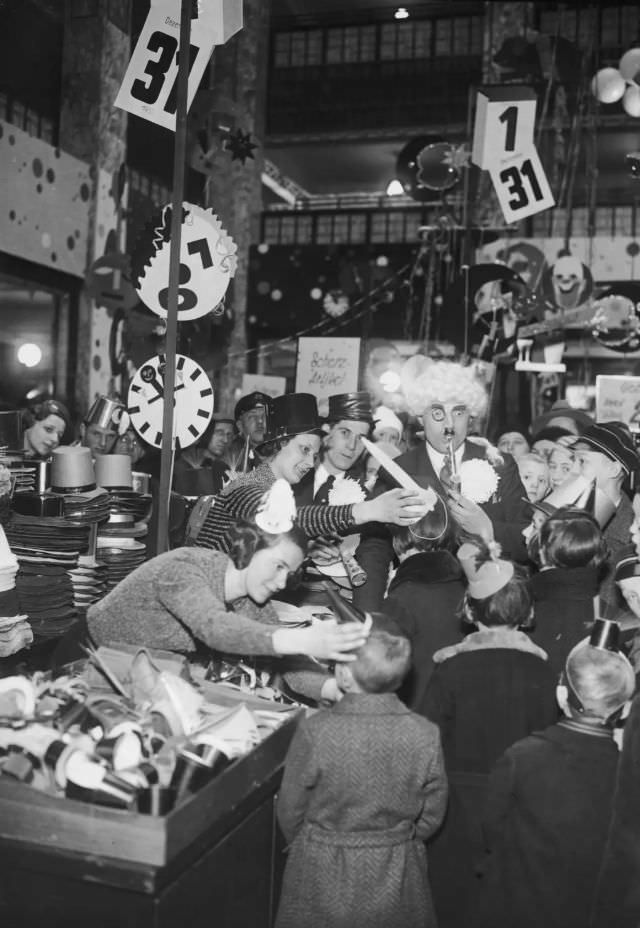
x=394, y=188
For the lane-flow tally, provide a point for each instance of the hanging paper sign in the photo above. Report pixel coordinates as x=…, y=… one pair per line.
x=207, y=263
x=108, y=284
x=504, y=126
x=193, y=401
x=618, y=397
x=503, y=144
x=149, y=87
x=521, y=186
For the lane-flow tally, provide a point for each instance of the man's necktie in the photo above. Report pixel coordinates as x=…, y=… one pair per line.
x=447, y=475
x=322, y=494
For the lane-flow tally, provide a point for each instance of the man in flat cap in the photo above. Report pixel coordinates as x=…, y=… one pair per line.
x=606, y=454
x=483, y=489
x=250, y=420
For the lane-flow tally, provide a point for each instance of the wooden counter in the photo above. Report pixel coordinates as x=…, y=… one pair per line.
x=211, y=862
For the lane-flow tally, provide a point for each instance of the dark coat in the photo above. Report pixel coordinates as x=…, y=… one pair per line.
x=424, y=597
x=563, y=610
x=363, y=786
x=618, y=888
x=508, y=513
x=545, y=826
x=485, y=694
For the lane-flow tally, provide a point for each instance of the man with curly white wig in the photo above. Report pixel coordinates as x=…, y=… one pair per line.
x=483, y=488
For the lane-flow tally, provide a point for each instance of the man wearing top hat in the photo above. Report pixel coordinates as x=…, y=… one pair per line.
x=250, y=419
x=446, y=396
x=349, y=419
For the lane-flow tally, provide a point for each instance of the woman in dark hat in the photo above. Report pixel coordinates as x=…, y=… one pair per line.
x=46, y=424
x=292, y=441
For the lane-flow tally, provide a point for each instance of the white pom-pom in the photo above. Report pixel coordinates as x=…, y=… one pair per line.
x=277, y=510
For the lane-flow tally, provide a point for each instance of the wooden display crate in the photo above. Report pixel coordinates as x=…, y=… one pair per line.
x=34, y=818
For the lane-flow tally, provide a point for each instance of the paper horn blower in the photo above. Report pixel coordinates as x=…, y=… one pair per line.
x=344, y=611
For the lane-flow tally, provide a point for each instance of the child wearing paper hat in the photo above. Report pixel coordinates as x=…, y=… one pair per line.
x=550, y=798
x=486, y=692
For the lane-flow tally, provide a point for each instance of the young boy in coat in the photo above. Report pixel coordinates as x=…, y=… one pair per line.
x=363, y=787
x=550, y=798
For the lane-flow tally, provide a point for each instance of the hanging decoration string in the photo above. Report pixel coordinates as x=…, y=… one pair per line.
x=327, y=326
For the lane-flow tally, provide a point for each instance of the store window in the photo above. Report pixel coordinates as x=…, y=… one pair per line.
x=35, y=335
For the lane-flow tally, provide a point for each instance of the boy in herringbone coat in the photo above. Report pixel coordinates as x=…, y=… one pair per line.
x=363, y=787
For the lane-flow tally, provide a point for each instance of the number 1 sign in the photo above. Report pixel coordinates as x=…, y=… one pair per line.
x=149, y=88
x=503, y=144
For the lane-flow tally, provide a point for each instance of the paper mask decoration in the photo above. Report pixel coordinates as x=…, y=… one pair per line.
x=207, y=263
x=277, y=510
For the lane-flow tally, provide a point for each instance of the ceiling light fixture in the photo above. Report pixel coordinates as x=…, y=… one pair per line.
x=401, y=13
x=29, y=354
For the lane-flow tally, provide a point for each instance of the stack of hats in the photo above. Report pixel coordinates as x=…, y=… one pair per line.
x=15, y=631
x=73, y=478
x=118, y=546
x=48, y=549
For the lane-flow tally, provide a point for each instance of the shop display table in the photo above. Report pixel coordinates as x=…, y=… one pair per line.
x=210, y=862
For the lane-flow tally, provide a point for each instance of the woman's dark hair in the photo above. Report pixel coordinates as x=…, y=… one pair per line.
x=40, y=411
x=572, y=538
x=434, y=532
x=244, y=539
x=511, y=605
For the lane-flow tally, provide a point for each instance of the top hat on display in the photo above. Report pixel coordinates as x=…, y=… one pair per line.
x=289, y=415
x=113, y=471
x=355, y=406
x=72, y=470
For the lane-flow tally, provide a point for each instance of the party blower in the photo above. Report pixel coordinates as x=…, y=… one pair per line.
x=345, y=612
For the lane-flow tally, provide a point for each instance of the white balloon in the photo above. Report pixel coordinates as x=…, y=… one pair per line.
x=631, y=100
x=630, y=64
x=608, y=85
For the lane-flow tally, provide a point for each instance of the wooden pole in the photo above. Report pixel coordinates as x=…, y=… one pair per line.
x=179, y=158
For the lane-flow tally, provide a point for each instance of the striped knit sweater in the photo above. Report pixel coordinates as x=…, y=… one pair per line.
x=240, y=500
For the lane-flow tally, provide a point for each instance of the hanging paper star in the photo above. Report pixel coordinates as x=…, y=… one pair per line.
x=457, y=158
x=240, y=145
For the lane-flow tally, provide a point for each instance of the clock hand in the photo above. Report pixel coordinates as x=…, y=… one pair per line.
x=160, y=396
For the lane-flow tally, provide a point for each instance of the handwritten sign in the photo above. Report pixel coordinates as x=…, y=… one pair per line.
x=618, y=397
x=263, y=383
x=327, y=366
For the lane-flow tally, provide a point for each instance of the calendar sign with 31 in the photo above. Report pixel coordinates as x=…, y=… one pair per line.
x=149, y=87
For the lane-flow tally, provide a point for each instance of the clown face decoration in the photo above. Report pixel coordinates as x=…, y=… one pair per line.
x=570, y=284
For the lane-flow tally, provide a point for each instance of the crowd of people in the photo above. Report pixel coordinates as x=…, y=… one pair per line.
x=466, y=761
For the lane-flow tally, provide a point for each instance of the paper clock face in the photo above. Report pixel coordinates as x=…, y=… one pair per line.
x=207, y=263
x=193, y=402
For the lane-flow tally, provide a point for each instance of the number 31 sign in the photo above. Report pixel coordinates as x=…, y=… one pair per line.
x=149, y=88
x=503, y=144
